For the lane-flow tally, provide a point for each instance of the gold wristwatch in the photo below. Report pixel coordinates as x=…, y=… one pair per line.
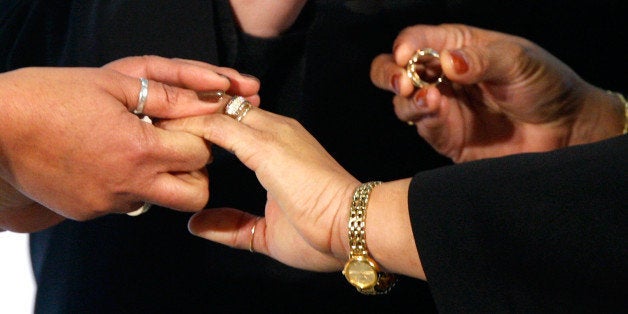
x=361, y=270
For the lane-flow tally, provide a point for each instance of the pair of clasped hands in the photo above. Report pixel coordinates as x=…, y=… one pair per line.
x=71, y=147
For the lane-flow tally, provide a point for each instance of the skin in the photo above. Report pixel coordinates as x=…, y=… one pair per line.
x=186, y=189
x=71, y=147
x=266, y=19
x=514, y=96
x=309, y=193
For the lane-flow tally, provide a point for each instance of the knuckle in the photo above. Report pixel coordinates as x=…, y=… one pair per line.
x=171, y=95
x=288, y=125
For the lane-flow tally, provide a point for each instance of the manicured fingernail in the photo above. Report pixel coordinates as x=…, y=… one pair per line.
x=419, y=97
x=250, y=76
x=461, y=66
x=394, y=82
x=210, y=96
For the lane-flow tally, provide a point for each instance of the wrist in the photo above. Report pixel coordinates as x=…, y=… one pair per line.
x=340, y=246
x=361, y=270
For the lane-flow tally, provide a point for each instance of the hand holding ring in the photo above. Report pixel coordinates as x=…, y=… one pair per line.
x=424, y=68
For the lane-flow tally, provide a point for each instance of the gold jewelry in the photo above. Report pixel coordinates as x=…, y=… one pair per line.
x=361, y=270
x=623, y=100
x=251, y=242
x=237, y=108
x=425, y=60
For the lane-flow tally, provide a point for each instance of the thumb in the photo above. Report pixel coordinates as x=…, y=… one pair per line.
x=498, y=62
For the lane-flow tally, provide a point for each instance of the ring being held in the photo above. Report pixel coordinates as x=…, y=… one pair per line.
x=237, y=107
x=426, y=62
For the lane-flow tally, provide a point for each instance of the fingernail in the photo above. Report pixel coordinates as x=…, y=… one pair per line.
x=461, y=66
x=250, y=76
x=394, y=82
x=419, y=97
x=394, y=50
x=210, y=96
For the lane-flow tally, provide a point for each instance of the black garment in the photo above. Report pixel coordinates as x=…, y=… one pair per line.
x=545, y=232
x=317, y=73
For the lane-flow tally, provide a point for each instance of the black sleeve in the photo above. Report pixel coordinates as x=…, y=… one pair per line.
x=526, y=233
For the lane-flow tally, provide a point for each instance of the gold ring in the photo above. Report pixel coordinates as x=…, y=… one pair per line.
x=237, y=108
x=424, y=61
x=251, y=242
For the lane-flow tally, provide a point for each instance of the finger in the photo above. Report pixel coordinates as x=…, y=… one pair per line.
x=263, y=120
x=494, y=63
x=187, y=191
x=443, y=128
x=231, y=227
x=189, y=74
x=418, y=37
x=215, y=128
x=240, y=84
x=255, y=118
x=159, y=100
x=175, y=72
x=244, y=138
x=424, y=102
x=386, y=74
x=179, y=151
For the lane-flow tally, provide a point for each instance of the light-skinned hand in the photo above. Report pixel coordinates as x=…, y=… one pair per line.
x=71, y=144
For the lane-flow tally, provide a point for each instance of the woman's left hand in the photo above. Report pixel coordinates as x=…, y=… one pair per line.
x=308, y=191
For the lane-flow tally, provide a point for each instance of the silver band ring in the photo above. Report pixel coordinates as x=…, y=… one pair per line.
x=419, y=57
x=252, y=241
x=145, y=207
x=141, y=99
x=237, y=108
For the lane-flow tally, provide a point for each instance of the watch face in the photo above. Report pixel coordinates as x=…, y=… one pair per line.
x=361, y=273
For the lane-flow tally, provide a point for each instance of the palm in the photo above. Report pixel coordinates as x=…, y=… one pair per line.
x=292, y=247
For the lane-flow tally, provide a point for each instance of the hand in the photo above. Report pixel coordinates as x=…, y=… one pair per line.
x=69, y=141
x=309, y=193
x=19, y=213
x=505, y=95
x=189, y=74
